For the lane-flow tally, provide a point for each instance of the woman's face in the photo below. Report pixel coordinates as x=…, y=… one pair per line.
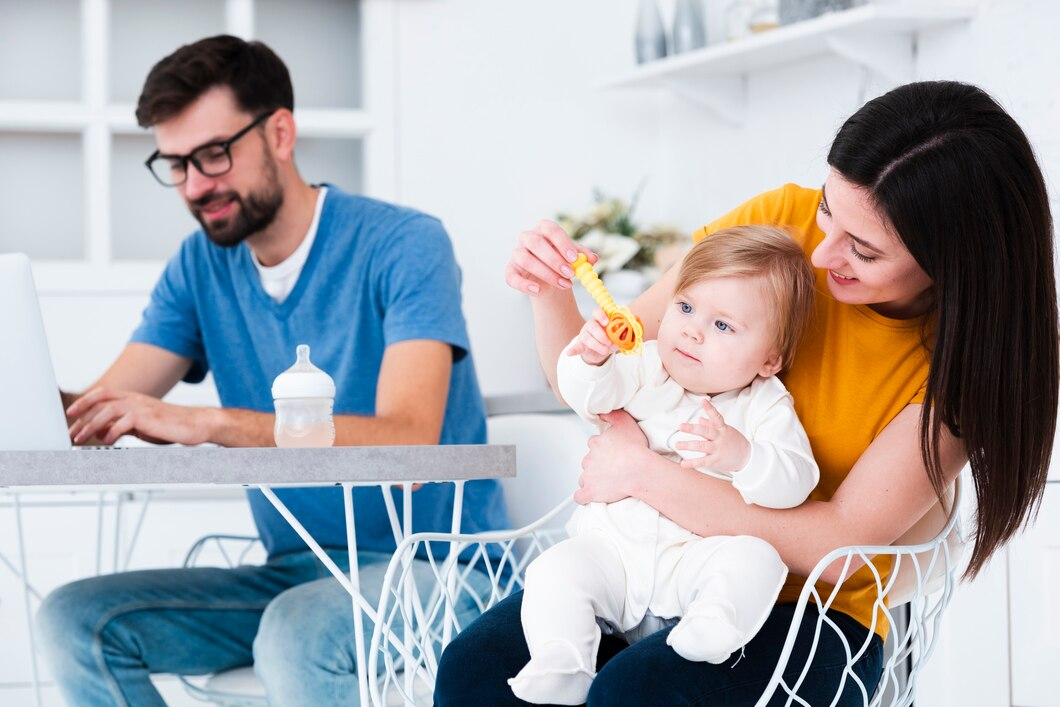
x=866, y=261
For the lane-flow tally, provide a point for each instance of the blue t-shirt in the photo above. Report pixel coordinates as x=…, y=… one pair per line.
x=377, y=274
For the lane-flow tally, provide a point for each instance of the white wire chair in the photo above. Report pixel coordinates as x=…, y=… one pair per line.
x=912, y=597
x=423, y=626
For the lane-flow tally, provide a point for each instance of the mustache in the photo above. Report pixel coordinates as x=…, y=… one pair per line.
x=204, y=201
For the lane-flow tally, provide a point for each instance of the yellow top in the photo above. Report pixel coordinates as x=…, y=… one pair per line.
x=854, y=371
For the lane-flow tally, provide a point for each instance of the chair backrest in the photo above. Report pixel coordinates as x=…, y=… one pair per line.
x=548, y=452
x=912, y=597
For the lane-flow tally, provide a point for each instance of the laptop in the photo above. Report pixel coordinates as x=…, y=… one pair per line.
x=31, y=411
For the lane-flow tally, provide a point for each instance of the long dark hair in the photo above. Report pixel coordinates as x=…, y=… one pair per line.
x=958, y=180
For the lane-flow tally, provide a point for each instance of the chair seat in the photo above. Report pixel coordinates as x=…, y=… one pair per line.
x=240, y=687
x=236, y=687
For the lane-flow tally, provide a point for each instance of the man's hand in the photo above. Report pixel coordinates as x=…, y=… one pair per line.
x=106, y=415
x=724, y=448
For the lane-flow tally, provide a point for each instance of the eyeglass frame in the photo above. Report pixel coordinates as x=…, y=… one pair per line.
x=226, y=145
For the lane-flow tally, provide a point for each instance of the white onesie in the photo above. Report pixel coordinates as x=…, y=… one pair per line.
x=625, y=559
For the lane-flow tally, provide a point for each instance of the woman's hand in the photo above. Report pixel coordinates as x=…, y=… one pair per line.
x=614, y=459
x=542, y=260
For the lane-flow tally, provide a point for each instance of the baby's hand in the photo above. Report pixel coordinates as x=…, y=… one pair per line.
x=592, y=342
x=724, y=448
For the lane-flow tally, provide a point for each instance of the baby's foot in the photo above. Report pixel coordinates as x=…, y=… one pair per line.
x=556, y=675
x=706, y=635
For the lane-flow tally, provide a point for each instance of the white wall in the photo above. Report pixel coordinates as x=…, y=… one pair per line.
x=502, y=123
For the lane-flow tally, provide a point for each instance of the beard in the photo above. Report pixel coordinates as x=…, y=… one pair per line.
x=252, y=213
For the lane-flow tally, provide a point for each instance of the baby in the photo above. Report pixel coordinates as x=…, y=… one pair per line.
x=743, y=296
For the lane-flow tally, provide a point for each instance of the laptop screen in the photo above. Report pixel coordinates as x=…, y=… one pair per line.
x=31, y=411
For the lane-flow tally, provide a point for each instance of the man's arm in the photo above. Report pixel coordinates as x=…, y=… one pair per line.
x=140, y=368
x=411, y=397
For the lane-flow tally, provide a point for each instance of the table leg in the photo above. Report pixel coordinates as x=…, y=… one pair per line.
x=26, y=599
x=450, y=581
x=355, y=586
x=409, y=596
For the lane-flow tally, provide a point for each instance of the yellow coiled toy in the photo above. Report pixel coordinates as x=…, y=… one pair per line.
x=624, y=328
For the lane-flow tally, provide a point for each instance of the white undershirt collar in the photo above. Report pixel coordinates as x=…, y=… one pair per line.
x=279, y=280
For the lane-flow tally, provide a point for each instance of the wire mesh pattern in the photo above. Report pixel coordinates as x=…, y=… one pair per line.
x=920, y=584
x=412, y=630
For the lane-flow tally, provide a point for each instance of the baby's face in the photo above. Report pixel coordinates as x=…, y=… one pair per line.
x=718, y=335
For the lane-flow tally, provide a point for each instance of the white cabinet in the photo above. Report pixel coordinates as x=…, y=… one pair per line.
x=80, y=202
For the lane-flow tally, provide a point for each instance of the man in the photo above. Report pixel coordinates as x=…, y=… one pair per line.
x=373, y=289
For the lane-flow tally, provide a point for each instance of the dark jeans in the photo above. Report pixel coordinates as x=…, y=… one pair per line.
x=475, y=667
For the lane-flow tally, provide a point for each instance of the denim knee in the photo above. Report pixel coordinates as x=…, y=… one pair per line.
x=294, y=634
x=66, y=621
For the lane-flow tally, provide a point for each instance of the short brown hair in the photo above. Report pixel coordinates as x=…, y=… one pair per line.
x=258, y=78
x=765, y=251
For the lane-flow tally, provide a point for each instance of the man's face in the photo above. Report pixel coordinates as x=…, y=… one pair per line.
x=243, y=201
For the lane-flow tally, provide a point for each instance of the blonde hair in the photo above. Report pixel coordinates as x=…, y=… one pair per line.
x=759, y=251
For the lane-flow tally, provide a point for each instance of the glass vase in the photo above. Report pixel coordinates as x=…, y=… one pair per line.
x=650, y=35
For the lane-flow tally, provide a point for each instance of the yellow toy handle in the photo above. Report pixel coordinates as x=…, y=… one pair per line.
x=624, y=328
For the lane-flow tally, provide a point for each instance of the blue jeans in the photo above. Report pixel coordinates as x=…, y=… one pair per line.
x=475, y=667
x=104, y=636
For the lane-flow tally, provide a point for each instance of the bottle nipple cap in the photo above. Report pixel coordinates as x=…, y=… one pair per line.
x=303, y=379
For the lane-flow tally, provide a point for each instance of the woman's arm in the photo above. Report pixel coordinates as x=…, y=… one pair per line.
x=540, y=267
x=885, y=493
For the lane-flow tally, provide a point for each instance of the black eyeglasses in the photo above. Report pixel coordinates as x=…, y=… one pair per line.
x=212, y=159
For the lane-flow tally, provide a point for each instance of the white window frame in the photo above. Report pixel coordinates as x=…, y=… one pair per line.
x=98, y=120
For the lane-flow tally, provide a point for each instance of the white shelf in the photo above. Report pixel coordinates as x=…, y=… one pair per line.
x=120, y=119
x=878, y=37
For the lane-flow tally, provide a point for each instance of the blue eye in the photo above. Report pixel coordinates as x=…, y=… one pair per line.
x=722, y=326
x=686, y=308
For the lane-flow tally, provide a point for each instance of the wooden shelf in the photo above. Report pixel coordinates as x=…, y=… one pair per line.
x=878, y=37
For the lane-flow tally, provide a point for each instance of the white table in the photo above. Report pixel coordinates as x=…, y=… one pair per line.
x=265, y=468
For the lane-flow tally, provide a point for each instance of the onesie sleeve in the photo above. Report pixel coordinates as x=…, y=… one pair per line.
x=593, y=390
x=781, y=471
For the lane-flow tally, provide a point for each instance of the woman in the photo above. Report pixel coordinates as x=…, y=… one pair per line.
x=934, y=344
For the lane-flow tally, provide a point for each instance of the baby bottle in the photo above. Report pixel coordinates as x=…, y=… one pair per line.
x=304, y=396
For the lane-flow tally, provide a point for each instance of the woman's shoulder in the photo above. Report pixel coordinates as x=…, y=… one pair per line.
x=789, y=205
